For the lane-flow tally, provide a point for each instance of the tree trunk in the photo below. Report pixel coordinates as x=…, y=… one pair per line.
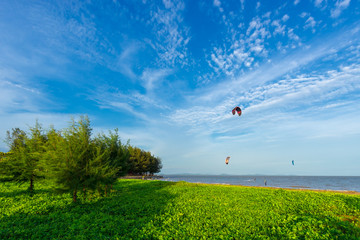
x=75, y=195
x=31, y=184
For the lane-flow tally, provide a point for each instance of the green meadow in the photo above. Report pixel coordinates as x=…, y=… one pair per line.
x=149, y=209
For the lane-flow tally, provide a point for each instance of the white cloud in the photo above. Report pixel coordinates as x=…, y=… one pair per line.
x=243, y=49
x=257, y=47
x=258, y=4
x=318, y=3
x=275, y=69
x=304, y=14
x=152, y=78
x=250, y=45
x=292, y=35
x=217, y=4
x=134, y=103
x=168, y=4
x=316, y=88
x=279, y=29
x=310, y=23
x=285, y=18
x=297, y=96
x=17, y=97
x=242, y=4
x=126, y=59
x=222, y=62
x=296, y=2
x=340, y=6
x=171, y=33
x=240, y=55
x=18, y=93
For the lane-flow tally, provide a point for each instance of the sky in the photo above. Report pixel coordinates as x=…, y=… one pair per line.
x=167, y=74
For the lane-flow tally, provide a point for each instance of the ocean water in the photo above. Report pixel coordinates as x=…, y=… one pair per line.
x=347, y=183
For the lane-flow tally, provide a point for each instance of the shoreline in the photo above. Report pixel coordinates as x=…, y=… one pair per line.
x=292, y=188
x=348, y=192
x=145, y=177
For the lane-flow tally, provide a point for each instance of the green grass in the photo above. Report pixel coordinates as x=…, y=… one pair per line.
x=141, y=209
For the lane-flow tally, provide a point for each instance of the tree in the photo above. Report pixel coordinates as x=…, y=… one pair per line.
x=54, y=153
x=135, y=160
x=155, y=165
x=72, y=155
x=23, y=163
x=4, y=166
x=116, y=157
x=80, y=164
x=142, y=162
x=75, y=160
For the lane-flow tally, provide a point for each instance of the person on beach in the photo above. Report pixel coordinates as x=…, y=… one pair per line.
x=265, y=182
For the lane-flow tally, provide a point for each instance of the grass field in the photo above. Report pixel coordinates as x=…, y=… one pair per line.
x=143, y=209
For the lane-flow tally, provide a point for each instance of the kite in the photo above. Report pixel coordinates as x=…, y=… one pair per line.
x=293, y=163
x=227, y=160
x=236, y=109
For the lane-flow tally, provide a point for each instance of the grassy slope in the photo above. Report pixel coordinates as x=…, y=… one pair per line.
x=163, y=210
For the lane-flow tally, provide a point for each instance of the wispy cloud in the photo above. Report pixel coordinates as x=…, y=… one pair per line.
x=340, y=6
x=217, y=4
x=132, y=102
x=126, y=60
x=290, y=93
x=310, y=23
x=322, y=4
x=16, y=97
x=275, y=103
x=172, y=35
x=252, y=45
x=152, y=78
x=318, y=3
x=18, y=94
x=279, y=28
x=168, y=73
x=285, y=18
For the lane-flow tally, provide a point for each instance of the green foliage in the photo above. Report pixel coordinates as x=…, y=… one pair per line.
x=80, y=164
x=76, y=161
x=142, y=162
x=23, y=163
x=117, y=153
x=139, y=209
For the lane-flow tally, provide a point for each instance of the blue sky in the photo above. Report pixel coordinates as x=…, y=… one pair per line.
x=168, y=73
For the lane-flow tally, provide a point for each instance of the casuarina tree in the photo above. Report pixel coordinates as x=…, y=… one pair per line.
x=78, y=163
x=23, y=163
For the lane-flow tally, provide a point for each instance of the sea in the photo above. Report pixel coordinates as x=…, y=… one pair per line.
x=337, y=183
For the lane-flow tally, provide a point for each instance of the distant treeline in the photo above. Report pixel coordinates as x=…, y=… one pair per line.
x=73, y=158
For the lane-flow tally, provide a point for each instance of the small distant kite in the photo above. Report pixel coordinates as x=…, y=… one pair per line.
x=227, y=160
x=293, y=163
x=236, y=109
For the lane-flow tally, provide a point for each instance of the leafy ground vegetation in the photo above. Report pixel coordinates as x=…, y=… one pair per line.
x=143, y=209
